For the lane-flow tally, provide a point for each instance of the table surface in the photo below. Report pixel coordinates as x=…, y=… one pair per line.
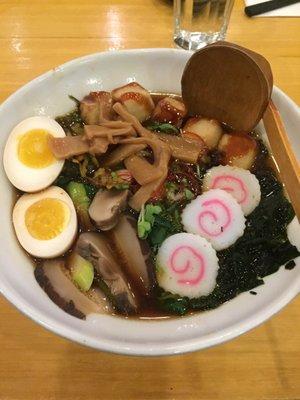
x=36, y=36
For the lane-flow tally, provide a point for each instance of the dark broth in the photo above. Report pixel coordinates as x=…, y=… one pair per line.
x=163, y=305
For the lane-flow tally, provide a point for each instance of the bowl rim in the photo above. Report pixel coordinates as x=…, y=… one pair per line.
x=112, y=346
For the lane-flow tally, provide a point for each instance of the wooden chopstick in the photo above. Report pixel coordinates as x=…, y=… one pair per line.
x=261, y=8
x=289, y=167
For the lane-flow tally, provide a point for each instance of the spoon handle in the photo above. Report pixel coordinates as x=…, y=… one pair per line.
x=289, y=167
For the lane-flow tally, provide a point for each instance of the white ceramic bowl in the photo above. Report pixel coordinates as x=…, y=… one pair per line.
x=157, y=70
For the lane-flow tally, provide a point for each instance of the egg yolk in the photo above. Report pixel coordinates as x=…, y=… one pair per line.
x=33, y=149
x=47, y=218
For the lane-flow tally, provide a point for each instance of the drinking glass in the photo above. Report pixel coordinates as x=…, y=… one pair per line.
x=200, y=22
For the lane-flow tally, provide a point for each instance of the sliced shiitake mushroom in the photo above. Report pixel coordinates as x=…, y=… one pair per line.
x=135, y=254
x=95, y=248
x=55, y=280
x=107, y=206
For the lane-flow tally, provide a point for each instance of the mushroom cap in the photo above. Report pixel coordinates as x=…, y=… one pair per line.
x=107, y=206
x=135, y=254
x=55, y=280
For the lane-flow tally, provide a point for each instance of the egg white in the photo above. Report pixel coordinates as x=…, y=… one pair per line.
x=45, y=248
x=25, y=178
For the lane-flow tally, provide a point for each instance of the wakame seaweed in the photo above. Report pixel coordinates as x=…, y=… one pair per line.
x=70, y=172
x=72, y=122
x=262, y=249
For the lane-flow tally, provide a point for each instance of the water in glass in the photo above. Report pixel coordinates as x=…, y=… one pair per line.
x=199, y=22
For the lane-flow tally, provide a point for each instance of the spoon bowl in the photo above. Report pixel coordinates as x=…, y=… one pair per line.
x=222, y=81
x=233, y=85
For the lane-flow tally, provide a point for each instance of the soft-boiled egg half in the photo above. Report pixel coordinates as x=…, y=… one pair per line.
x=28, y=161
x=45, y=222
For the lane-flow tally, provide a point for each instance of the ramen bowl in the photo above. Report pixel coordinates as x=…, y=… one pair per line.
x=157, y=70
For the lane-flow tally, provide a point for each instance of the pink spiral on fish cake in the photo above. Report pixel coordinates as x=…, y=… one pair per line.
x=226, y=182
x=211, y=214
x=188, y=264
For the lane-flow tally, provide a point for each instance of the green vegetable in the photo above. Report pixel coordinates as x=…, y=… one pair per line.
x=72, y=122
x=91, y=190
x=171, y=186
x=116, y=178
x=81, y=202
x=150, y=212
x=173, y=303
x=82, y=272
x=78, y=194
x=189, y=195
x=200, y=171
x=117, y=181
x=166, y=223
x=76, y=101
x=144, y=227
x=146, y=219
x=122, y=186
x=70, y=172
x=158, y=235
x=179, y=189
x=163, y=127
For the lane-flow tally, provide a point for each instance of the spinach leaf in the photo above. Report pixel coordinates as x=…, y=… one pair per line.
x=166, y=223
x=173, y=303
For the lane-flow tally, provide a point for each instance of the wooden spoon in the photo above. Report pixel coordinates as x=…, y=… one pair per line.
x=234, y=85
x=224, y=82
